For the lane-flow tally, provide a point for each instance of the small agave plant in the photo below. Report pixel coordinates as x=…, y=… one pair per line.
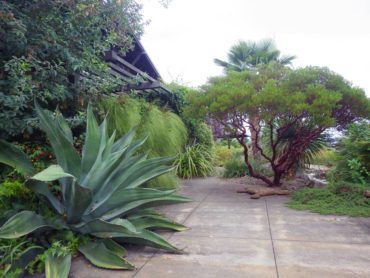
x=101, y=198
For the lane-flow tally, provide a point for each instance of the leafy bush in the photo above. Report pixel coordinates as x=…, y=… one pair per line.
x=100, y=196
x=202, y=135
x=235, y=167
x=353, y=163
x=167, y=134
x=194, y=161
x=341, y=198
x=47, y=46
x=327, y=157
x=223, y=153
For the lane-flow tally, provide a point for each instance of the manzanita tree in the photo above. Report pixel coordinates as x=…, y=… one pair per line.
x=306, y=101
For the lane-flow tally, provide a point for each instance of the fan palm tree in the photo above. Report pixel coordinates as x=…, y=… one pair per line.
x=247, y=55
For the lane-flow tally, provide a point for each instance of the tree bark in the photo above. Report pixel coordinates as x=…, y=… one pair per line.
x=254, y=129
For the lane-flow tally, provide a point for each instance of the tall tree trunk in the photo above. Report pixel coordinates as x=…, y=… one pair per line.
x=254, y=129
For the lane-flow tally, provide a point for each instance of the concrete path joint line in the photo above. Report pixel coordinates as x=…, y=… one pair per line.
x=190, y=214
x=272, y=242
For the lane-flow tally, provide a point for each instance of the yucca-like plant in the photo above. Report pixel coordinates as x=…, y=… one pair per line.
x=101, y=198
x=195, y=161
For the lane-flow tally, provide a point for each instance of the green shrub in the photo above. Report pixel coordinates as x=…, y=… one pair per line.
x=40, y=59
x=235, y=167
x=341, y=198
x=353, y=162
x=100, y=197
x=167, y=133
x=223, y=153
x=327, y=157
x=194, y=161
x=14, y=196
x=202, y=135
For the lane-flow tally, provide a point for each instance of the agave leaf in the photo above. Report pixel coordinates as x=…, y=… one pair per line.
x=42, y=188
x=124, y=141
x=99, y=254
x=63, y=126
x=131, y=176
x=15, y=158
x=92, y=140
x=105, y=229
x=149, y=238
x=108, y=147
x=57, y=266
x=52, y=173
x=160, y=201
x=124, y=231
x=26, y=256
x=64, y=150
x=77, y=200
x=22, y=223
x=125, y=200
x=146, y=170
x=156, y=222
x=115, y=247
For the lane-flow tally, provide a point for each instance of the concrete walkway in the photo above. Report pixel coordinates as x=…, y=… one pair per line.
x=233, y=236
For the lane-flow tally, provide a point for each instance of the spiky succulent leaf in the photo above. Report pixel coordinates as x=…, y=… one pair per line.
x=124, y=231
x=115, y=247
x=149, y=238
x=57, y=266
x=22, y=223
x=102, y=255
x=92, y=140
x=154, y=222
x=63, y=126
x=104, y=229
x=77, y=199
x=12, y=156
x=63, y=148
x=52, y=173
x=42, y=188
x=25, y=257
x=124, y=201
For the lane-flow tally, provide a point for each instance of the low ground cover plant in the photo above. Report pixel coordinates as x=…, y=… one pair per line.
x=95, y=201
x=340, y=198
x=349, y=179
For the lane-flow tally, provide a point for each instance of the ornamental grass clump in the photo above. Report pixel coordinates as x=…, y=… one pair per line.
x=167, y=134
x=99, y=197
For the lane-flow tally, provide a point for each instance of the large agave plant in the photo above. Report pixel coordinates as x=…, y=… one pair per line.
x=100, y=197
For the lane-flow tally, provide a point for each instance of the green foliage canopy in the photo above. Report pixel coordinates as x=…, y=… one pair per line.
x=310, y=100
x=54, y=51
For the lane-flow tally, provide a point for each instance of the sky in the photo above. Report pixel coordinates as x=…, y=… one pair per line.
x=183, y=39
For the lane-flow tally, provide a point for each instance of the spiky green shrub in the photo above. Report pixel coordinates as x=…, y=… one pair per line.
x=194, y=161
x=166, y=132
x=100, y=195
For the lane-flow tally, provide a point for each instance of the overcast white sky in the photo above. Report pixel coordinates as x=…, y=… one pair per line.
x=183, y=39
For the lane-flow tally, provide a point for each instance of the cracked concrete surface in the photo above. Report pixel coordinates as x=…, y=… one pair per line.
x=233, y=236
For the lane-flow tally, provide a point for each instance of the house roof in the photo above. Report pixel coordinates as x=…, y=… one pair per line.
x=136, y=69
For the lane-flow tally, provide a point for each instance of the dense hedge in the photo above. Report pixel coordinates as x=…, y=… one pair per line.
x=54, y=51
